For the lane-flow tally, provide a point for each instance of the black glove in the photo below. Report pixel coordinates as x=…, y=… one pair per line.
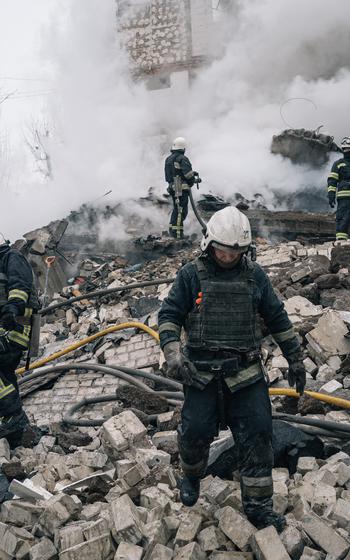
x=296, y=373
x=331, y=199
x=179, y=367
x=4, y=344
x=198, y=180
x=170, y=189
x=8, y=317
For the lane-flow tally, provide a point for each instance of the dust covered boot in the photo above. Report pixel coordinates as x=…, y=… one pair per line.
x=189, y=490
x=262, y=519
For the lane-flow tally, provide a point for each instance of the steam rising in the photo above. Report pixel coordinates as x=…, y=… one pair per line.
x=107, y=132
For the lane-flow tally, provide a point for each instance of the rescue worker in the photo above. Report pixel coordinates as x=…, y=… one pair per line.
x=16, y=300
x=218, y=299
x=180, y=178
x=339, y=190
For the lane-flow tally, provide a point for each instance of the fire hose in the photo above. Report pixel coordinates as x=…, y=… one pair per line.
x=173, y=398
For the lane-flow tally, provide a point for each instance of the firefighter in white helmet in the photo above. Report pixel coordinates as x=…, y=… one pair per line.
x=180, y=178
x=339, y=190
x=218, y=299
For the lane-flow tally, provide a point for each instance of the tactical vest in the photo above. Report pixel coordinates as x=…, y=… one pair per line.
x=33, y=301
x=226, y=318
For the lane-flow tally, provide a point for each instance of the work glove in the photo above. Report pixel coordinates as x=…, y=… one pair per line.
x=179, y=367
x=4, y=344
x=331, y=199
x=170, y=190
x=8, y=317
x=296, y=373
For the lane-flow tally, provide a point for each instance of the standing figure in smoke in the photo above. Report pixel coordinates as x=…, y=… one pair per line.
x=180, y=178
x=218, y=299
x=17, y=302
x=339, y=190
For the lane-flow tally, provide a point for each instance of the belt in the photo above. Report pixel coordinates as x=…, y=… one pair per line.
x=228, y=366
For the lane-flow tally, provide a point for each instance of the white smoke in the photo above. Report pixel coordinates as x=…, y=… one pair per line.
x=106, y=130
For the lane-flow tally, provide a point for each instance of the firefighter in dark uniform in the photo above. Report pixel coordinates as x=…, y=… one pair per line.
x=339, y=190
x=219, y=299
x=16, y=307
x=180, y=178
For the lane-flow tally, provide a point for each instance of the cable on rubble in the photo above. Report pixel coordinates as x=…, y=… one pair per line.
x=104, y=292
x=127, y=375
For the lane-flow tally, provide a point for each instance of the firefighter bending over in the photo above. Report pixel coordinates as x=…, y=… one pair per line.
x=218, y=299
x=180, y=178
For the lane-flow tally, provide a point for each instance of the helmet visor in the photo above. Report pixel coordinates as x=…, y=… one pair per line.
x=229, y=250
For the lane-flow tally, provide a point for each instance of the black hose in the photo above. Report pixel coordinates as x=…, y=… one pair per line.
x=196, y=213
x=104, y=292
x=324, y=424
x=112, y=370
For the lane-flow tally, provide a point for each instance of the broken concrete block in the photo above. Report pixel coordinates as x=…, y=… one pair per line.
x=28, y=491
x=280, y=503
x=327, y=338
x=159, y=552
x=127, y=525
x=279, y=362
x=155, y=532
x=300, y=273
x=153, y=497
x=298, y=305
x=127, y=551
x=5, y=452
x=266, y=544
x=217, y=490
x=218, y=555
x=323, y=497
x=15, y=542
x=165, y=420
x=211, y=538
x=188, y=529
x=325, y=373
x=123, y=465
x=69, y=536
x=341, y=513
x=312, y=554
x=95, y=529
x=293, y=541
x=20, y=512
x=343, y=474
x=325, y=536
x=164, y=437
x=92, y=459
x=152, y=457
x=123, y=430
x=44, y=550
x=95, y=549
x=310, y=366
x=58, y=510
x=331, y=386
x=137, y=473
x=236, y=527
x=191, y=551
x=306, y=464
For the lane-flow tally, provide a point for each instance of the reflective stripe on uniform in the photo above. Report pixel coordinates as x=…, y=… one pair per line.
x=340, y=235
x=341, y=165
x=177, y=165
x=20, y=338
x=332, y=189
x=284, y=335
x=257, y=487
x=168, y=326
x=333, y=175
x=6, y=389
x=18, y=294
x=189, y=174
x=244, y=377
x=343, y=194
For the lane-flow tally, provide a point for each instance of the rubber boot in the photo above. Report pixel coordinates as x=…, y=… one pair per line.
x=189, y=490
x=263, y=519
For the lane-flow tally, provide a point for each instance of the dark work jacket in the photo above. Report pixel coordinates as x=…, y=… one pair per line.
x=339, y=177
x=185, y=168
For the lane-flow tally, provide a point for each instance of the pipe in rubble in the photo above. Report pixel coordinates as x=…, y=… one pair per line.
x=87, y=340
x=335, y=401
x=196, y=213
x=104, y=292
x=324, y=424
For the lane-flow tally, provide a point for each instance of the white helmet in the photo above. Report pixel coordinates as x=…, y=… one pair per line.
x=179, y=143
x=345, y=143
x=228, y=227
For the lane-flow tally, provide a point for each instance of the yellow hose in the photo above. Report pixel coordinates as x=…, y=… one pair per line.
x=113, y=328
x=335, y=401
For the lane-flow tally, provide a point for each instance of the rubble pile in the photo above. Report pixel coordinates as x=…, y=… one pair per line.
x=110, y=492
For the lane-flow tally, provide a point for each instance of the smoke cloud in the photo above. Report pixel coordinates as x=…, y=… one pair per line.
x=106, y=132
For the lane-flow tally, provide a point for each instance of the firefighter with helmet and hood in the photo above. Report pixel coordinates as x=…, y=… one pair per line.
x=339, y=190
x=218, y=299
x=180, y=178
x=17, y=301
